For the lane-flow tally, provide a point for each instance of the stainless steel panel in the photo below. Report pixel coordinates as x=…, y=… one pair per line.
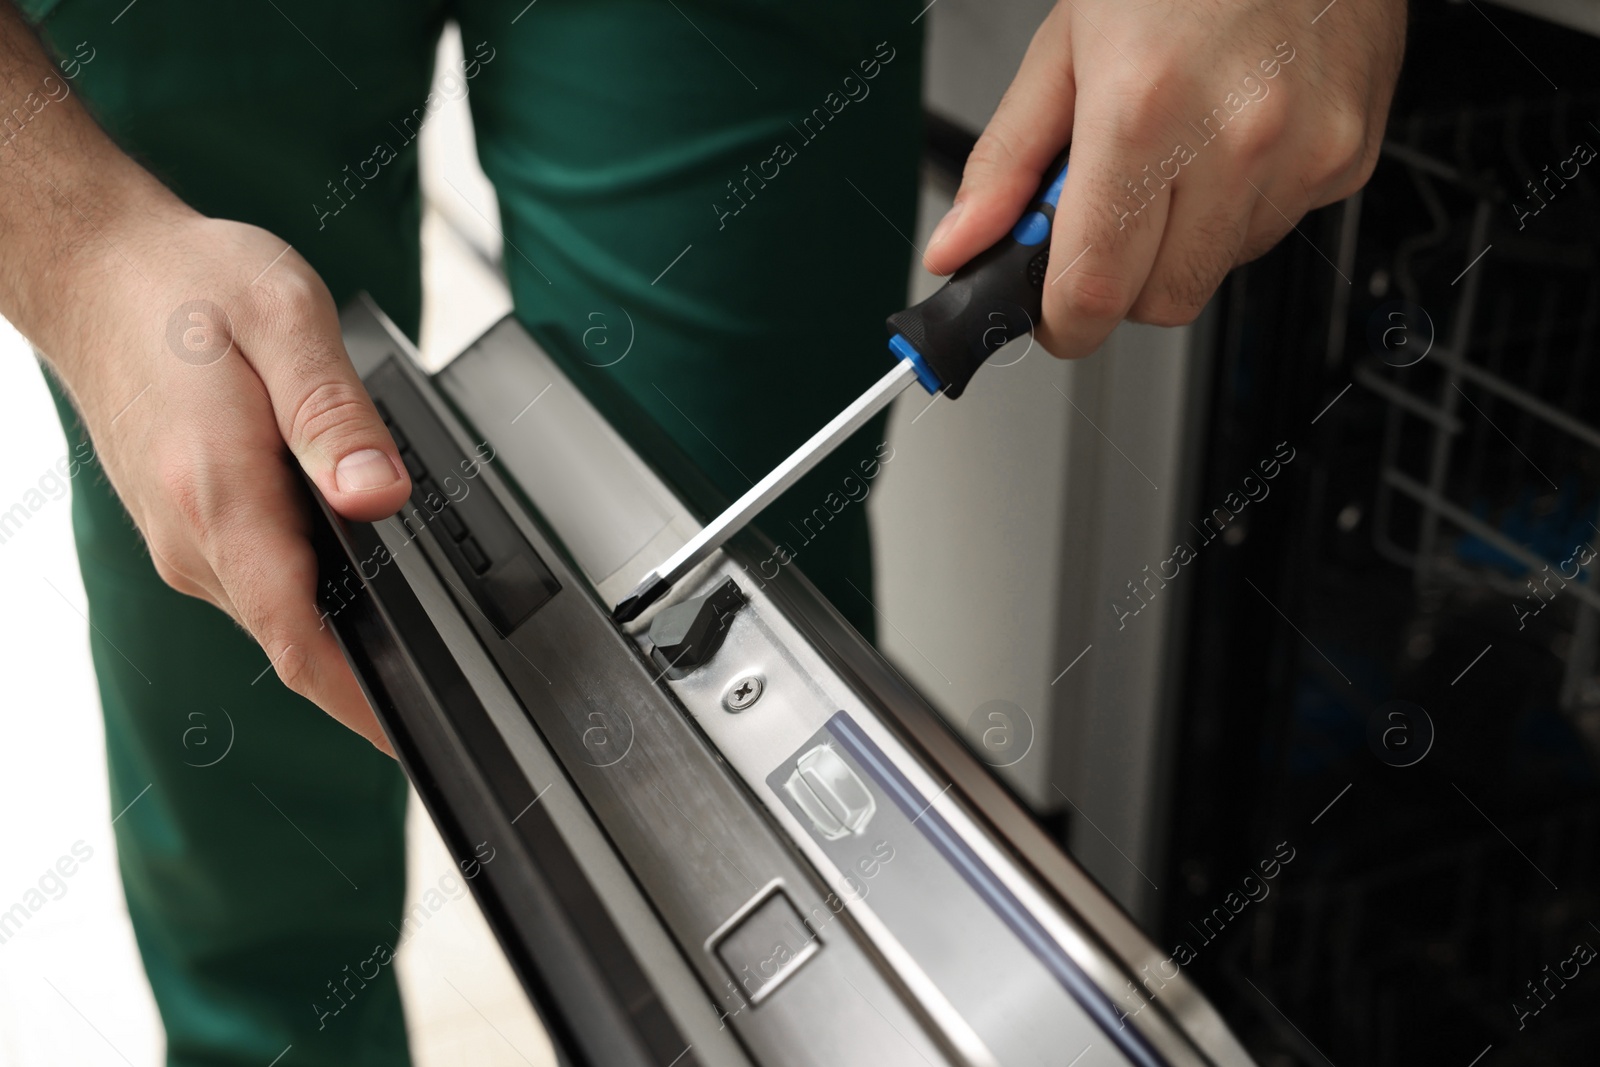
x=802, y=691
x=957, y=955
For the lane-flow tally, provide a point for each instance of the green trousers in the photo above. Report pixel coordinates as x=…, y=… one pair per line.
x=722, y=178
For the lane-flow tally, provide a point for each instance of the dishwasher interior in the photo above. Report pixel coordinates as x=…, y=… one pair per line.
x=1407, y=687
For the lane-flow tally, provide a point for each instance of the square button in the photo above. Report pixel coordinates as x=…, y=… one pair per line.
x=766, y=945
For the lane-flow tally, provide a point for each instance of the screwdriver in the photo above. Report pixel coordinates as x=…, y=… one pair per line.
x=939, y=343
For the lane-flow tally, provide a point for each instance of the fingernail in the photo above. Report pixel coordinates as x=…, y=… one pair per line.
x=946, y=224
x=369, y=469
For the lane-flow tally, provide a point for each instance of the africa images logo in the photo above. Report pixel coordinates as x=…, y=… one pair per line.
x=199, y=332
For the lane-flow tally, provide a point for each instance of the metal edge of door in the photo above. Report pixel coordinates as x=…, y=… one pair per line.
x=579, y=966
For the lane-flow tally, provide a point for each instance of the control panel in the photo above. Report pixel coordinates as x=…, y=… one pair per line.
x=494, y=564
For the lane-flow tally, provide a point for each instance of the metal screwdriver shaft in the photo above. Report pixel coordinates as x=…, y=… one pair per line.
x=785, y=474
x=941, y=343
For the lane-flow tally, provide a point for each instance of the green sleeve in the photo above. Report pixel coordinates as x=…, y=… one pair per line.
x=34, y=10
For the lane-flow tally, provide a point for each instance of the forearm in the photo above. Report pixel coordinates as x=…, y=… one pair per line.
x=66, y=190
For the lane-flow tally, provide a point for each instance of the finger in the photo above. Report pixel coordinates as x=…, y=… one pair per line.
x=1206, y=227
x=322, y=409
x=1027, y=131
x=1107, y=228
x=269, y=572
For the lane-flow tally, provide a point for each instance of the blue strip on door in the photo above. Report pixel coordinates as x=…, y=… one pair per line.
x=994, y=892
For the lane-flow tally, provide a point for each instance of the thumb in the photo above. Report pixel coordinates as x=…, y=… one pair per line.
x=323, y=411
x=1028, y=129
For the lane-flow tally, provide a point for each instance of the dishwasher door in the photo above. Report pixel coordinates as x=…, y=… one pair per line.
x=727, y=832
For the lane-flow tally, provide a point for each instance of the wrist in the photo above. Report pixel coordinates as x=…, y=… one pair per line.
x=93, y=250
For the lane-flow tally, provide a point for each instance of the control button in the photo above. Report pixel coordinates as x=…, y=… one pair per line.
x=452, y=525
x=427, y=493
x=832, y=795
x=688, y=634
x=765, y=945
x=400, y=441
x=1032, y=228
x=383, y=410
x=474, y=556
x=501, y=578
x=414, y=466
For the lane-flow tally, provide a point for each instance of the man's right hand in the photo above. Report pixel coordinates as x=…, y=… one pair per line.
x=205, y=360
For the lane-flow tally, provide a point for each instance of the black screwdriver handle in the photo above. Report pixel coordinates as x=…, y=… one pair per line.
x=995, y=297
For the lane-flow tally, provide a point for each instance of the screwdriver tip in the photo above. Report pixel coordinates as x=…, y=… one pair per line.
x=644, y=594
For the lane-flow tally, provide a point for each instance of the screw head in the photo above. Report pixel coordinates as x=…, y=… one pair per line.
x=743, y=691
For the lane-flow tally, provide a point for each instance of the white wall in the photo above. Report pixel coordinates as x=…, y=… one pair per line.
x=72, y=969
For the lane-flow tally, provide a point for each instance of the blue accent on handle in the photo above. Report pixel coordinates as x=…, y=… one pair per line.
x=1031, y=229
x=1034, y=227
x=1094, y=1001
x=1052, y=195
x=905, y=350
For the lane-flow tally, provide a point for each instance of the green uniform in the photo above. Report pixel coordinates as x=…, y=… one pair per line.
x=721, y=180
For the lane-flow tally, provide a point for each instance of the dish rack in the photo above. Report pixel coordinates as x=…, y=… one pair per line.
x=1481, y=347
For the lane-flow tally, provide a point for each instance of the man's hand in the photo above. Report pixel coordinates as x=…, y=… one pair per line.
x=192, y=363
x=205, y=360
x=1201, y=131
